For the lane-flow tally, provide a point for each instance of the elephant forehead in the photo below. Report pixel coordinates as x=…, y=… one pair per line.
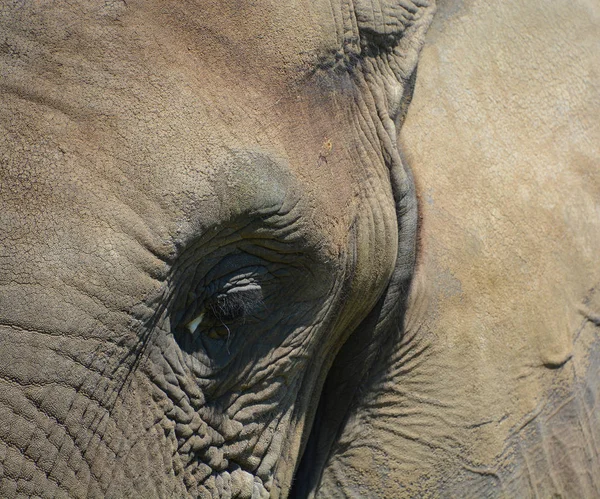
x=250, y=37
x=174, y=163
x=268, y=41
x=148, y=101
x=155, y=95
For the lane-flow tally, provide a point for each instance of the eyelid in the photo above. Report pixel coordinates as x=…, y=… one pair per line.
x=238, y=302
x=236, y=296
x=236, y=288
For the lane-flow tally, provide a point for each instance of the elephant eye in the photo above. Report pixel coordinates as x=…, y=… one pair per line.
x=235, y=302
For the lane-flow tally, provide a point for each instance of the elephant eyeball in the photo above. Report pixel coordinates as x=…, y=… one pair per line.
x=193, y=324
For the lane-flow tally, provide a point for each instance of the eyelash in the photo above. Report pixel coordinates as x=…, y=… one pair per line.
x=228, y=307
x=233, y=306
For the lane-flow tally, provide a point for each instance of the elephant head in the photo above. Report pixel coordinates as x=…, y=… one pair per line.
x=208, y=235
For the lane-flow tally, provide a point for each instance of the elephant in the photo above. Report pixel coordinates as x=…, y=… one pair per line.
x=246, y=252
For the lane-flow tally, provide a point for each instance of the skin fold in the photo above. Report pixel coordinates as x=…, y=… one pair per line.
x=219, y=276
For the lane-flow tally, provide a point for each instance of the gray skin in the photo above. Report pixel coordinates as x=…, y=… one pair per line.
x=201, y=203
x=211, y=279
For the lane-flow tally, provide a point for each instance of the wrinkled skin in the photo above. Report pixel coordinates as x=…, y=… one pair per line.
x=492, y=388
x=234, y=168
x=201, y=202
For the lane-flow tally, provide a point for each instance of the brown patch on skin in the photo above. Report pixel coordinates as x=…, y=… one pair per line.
x=326, y=150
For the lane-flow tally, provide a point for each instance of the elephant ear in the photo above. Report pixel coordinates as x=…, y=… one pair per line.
x=382, y=54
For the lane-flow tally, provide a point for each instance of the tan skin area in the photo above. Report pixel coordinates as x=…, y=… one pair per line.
x=184, y=109
x=495, y=391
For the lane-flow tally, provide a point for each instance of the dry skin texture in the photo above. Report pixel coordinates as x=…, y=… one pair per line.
x=495, y=393
x=208, y=231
